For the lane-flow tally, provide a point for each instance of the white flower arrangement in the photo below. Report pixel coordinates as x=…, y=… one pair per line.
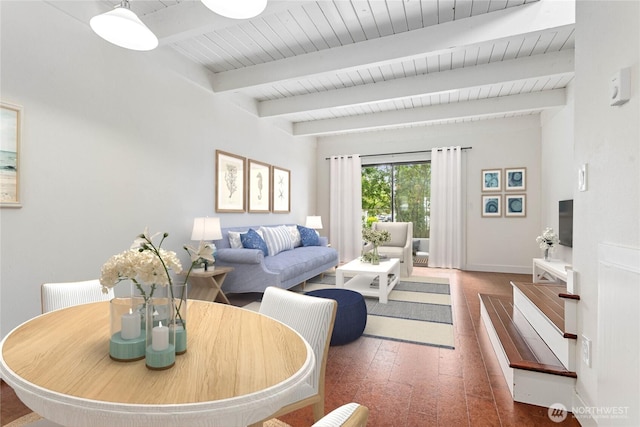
x=375, y=237
x=548, y=239
x=147, y=263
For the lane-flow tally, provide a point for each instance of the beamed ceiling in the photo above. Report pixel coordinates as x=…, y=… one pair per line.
x=332, y=67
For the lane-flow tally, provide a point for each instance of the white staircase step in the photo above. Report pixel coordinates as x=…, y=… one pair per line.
x=532, y=371
x=545, y=310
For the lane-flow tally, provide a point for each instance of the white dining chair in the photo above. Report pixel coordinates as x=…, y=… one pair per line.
x=349, y=415
x=60, y=295
x=313, y=318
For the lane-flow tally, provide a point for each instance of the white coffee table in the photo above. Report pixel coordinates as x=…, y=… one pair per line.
x=362, y=274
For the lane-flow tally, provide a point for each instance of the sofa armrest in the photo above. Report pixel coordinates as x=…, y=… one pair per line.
x=241, y=256
x=324, y=240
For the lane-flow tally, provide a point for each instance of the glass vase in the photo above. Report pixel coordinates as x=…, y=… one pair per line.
x=179, y=324
x=160, y=350
x=546, y=254
x=375, y=257
x=127, y=339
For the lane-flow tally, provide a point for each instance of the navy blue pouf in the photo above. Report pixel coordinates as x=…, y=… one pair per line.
x=351, y=316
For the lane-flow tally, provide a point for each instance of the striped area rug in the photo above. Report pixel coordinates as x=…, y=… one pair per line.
x=418, y=311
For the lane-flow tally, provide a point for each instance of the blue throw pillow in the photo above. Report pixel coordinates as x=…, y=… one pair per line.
x=308, y=236
x=252, y=240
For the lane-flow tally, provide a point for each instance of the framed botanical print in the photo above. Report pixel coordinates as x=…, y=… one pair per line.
x=259, y=179
x=10, y=139
x=491, y=180
x=281, y=188
x=515, y=179
x=491, y=206
x=230, y=182
x=515, y=205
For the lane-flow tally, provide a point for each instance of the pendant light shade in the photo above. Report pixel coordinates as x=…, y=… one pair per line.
x=236, y=9
x=123, y=28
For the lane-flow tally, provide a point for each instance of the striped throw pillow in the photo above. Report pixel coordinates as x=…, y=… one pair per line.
x=278, y=239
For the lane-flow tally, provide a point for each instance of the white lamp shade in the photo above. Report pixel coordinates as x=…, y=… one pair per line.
x=236, y=9
x=123, y=28
x=206, y=229
x=314, y=222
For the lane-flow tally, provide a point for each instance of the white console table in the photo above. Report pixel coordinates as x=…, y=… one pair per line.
x=552, y=271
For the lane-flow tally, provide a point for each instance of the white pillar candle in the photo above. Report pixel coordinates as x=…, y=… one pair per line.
x=160, y=338
x=130, y=325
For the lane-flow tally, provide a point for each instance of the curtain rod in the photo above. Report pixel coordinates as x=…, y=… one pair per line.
x=394, y=154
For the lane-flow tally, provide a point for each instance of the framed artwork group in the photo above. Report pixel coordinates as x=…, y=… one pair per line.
x=248, y=185
x=509, y=180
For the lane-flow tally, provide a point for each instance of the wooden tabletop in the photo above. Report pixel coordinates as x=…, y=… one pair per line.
x=232, y=354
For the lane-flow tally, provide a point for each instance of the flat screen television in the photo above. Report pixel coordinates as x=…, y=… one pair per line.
x=565, y=222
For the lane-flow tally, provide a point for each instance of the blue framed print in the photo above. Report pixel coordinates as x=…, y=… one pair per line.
x=515, y=179
x=491, y=180
x=515, y=205
x=491, y=206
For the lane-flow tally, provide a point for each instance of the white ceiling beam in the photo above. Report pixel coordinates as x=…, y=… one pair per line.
x=433, y=40
x=459, y=110
x=538, y=66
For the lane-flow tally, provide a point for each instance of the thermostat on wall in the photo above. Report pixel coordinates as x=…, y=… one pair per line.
x=619, y=87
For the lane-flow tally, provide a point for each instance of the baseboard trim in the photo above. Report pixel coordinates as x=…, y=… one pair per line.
x=499, y=268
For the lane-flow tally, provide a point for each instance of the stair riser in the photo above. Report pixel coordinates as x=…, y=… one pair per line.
x=562, y=347
x=507, y=371
x=537, y=388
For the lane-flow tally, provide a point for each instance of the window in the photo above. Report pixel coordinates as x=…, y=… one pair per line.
x=398, y=192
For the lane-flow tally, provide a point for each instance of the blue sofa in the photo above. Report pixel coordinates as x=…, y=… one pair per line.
x=254, y=272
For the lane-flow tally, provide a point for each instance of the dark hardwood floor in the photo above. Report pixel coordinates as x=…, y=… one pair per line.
x=413, y=385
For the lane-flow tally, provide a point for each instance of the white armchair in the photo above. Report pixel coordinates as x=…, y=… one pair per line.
x=401, y=244
x=54, y=296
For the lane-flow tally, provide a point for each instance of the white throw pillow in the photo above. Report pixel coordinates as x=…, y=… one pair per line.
x=234, y=239
x=295, y=235
x=278, y=239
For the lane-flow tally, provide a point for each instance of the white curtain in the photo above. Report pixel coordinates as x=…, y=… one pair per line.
x=445, y=240
x=345, y=233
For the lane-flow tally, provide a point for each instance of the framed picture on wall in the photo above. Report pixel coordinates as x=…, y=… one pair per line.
x=230, y=185
x=281, y=188
x=10, y=135
x=515, y=179
x=491, y=206
x=515, y=205
x=259, y=179
x=491, y=180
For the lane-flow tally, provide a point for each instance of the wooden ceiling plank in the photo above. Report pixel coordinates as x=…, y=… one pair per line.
x=191, y=18
x=530, y=19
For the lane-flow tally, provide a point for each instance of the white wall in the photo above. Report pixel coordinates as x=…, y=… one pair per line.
x=500, y=143
x=608, y=140
x=557, y=175
x=112, y=143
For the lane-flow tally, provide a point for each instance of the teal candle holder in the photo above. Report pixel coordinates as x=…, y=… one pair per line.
x=129, y=350
x=160, y=359
x=160, y=350
x=128, y=337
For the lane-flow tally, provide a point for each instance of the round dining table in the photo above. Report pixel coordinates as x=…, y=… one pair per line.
x=240, y=368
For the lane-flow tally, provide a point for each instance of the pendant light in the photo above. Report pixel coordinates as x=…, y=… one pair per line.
x=236, y=9
x=123, y=28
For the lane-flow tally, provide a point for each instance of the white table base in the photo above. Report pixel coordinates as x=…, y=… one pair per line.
x=363, y=273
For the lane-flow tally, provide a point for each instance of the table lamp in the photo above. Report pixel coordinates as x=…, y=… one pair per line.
x=314, y=222
x=206, y=229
